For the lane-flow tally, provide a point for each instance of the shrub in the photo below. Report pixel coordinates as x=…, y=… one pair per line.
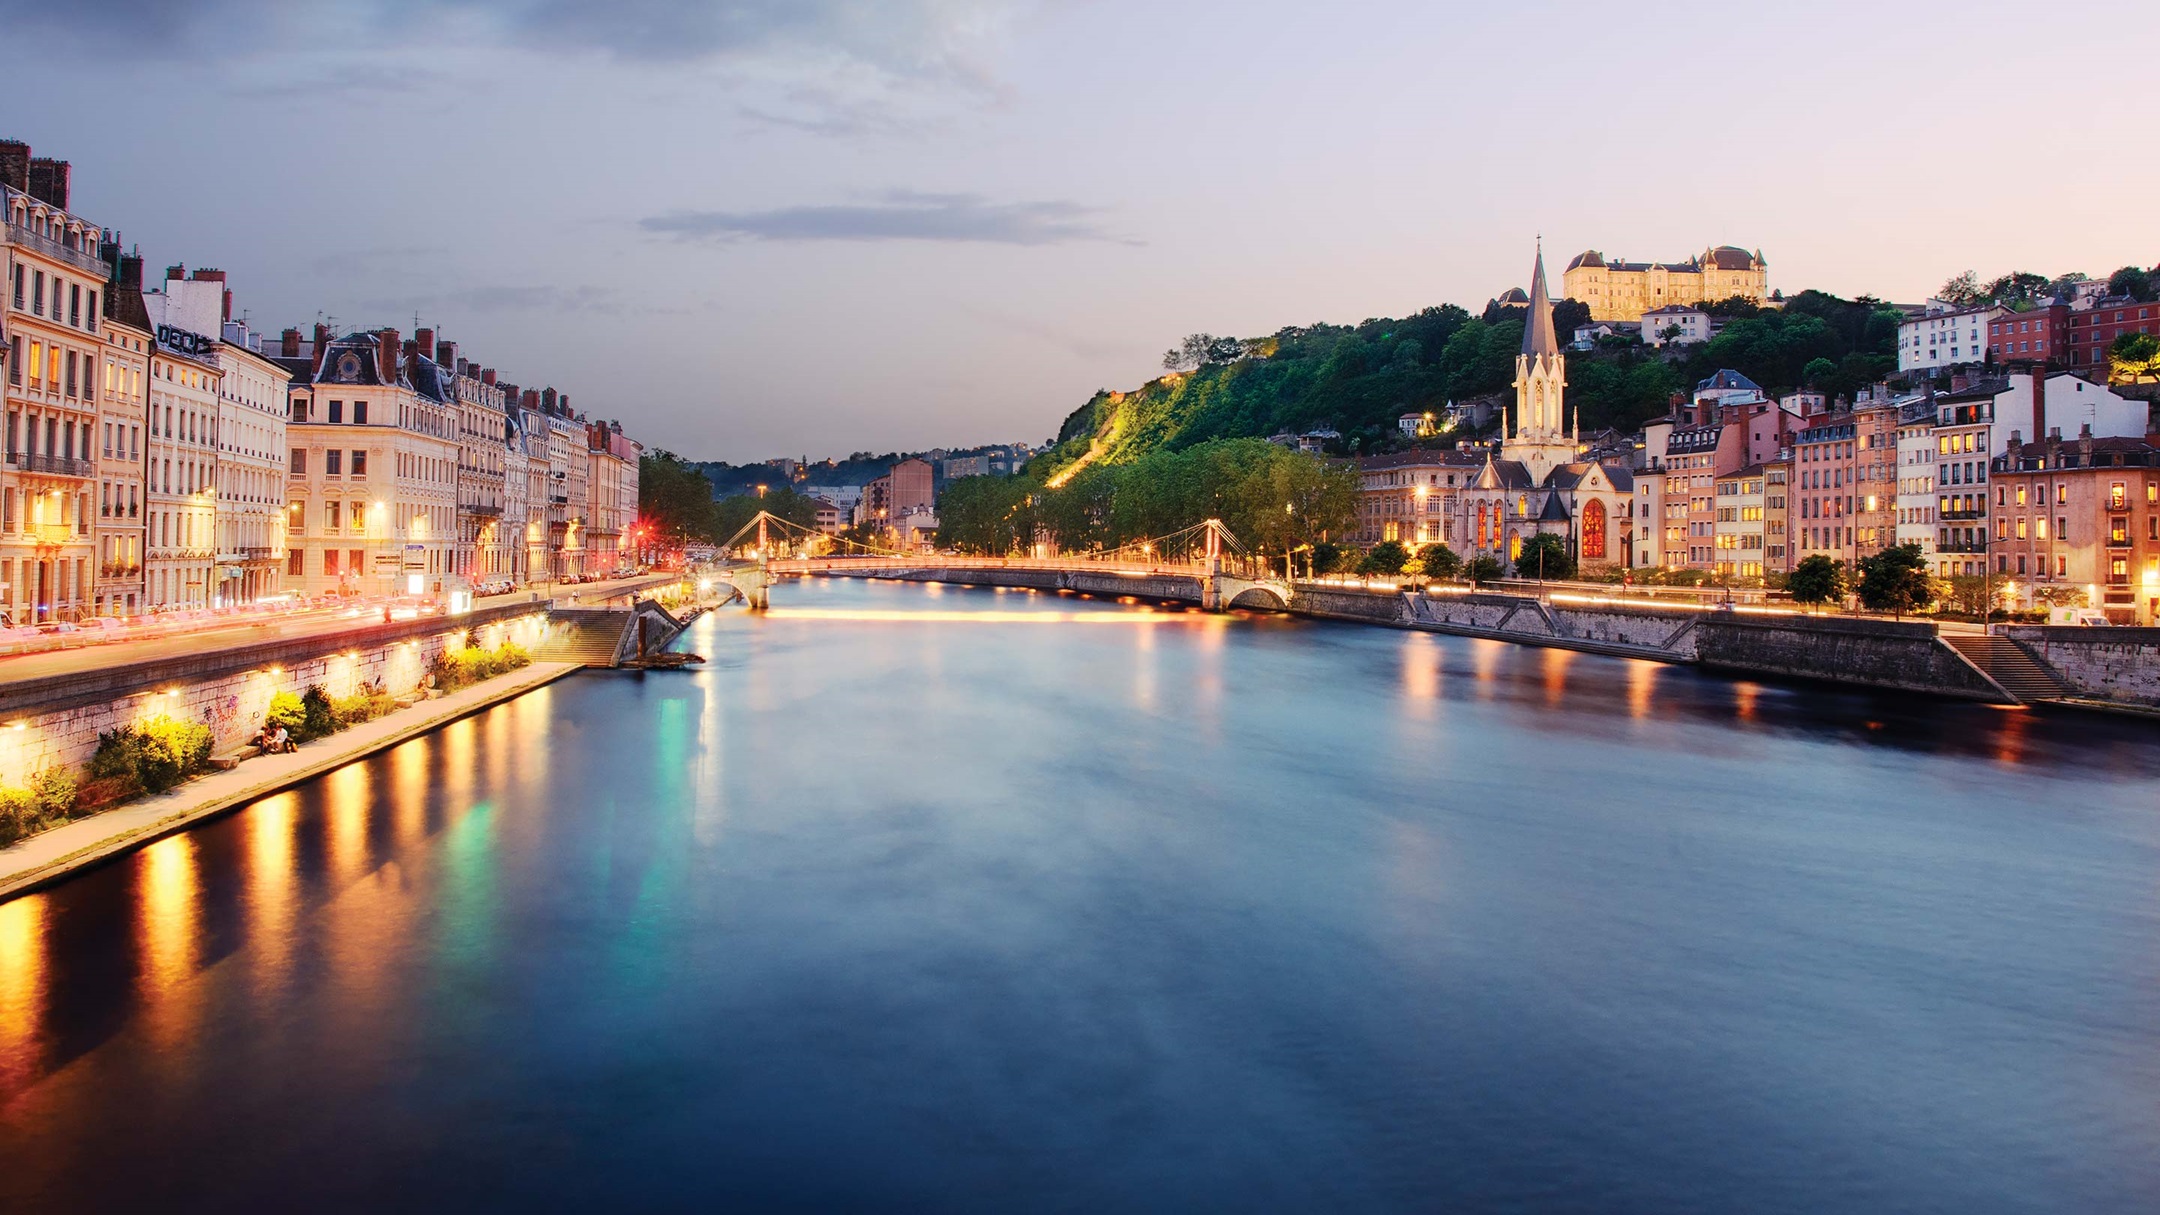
x=455, y=669
x=365, y=705
x=288, y=711
x=54, y=791
x=318, y=717
x=116, y=766
x=171, y=751
x=18, y=814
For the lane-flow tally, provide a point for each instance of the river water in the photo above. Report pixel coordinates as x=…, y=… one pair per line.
x=932, y=899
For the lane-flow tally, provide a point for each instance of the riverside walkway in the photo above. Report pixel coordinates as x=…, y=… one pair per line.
x=51, y=855
x=95, y=652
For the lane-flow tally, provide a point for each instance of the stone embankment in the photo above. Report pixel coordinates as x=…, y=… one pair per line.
x=2114, y=665
x=2099, y=666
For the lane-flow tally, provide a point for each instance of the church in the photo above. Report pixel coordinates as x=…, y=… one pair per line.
x=1534, y=482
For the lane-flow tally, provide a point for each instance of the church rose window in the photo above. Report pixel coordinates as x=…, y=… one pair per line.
x=1593, y=535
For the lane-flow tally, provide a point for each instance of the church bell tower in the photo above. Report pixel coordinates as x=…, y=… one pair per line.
x=1540, y=438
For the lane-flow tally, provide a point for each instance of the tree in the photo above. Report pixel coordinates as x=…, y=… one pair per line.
x=1817, y=580
x=1963, y=291
x=2015, y=289
x=1896, y=580
x=1818, y=372
x=1670, y=333
x=1439, y=561
x=1386, y=557
x=2134, y=356
x=676, y=499
x=1544, y=556
x=1483, y=568
x=2133, y=281
x=1325, y=558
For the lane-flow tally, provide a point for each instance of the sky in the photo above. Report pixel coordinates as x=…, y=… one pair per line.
x=756, y=228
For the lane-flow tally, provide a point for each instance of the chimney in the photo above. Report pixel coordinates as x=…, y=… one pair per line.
x=531, y=398
x=425, y=339
x=2039, y=385
x=173, y=272
x=563, y=402
x=130, y=269
x=49, y=181
x=410, y=348
x=487, y=376
x=15, y=165
x=386, y=355
x=446, y=354
x=1959, y=382
x=289, y=344
x=322, y=344
x=547, y=400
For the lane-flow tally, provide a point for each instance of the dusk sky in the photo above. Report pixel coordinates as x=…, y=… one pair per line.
x=751, y=228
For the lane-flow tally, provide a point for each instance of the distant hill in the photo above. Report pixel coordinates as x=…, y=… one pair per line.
x=1358, y=379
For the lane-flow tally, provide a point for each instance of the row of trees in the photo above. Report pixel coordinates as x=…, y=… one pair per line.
x=2022, y=288
x=677, y=499
x=1275, y=500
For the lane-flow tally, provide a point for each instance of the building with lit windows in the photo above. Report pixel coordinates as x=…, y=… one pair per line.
x=1740, y=524
x=180, y=497
x=1916, y=452
x=53, y=286
x=371, y=472
x=2078, y=522
x=123, y=408
x=1412, y=497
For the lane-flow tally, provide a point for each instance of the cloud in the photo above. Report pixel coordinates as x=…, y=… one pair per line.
x=487, y=300
x=923, y=38
x=899, y=215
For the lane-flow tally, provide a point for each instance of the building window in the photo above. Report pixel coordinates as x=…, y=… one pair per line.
x=333, y=462
x=359, y=413
x=298, y=461
x=337, y=411
x=359, y=458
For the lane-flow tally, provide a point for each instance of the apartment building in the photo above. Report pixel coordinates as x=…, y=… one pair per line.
x=186, y=384
x=55, y=279
x=1739, y=525
x=123, y=408
x=1413, y=497
x=2080, y=516
x=371, y=478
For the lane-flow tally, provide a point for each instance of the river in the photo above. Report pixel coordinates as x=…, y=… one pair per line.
x=932, y=899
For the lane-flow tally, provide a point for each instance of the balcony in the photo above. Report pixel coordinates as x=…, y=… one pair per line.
x=58, y=466
x=485, y=510
x=258, y=552
x=82, y=260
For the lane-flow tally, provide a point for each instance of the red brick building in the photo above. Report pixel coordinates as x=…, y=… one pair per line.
x=2039, y=336
x=2093, y=331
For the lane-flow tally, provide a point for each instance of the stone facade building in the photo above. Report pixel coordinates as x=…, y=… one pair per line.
x=1536, y=482
x=1624, y=291
x=51, y=301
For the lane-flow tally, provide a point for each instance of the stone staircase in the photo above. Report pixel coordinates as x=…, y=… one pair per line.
x=590, y=636
x=2008, y=664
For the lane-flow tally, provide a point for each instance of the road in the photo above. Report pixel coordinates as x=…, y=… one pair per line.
x=88, y=651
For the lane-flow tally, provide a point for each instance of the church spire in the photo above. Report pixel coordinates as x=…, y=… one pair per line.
x=1538, y=337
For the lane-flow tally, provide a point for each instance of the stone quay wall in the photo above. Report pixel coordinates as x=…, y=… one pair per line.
x=1905, y=655
x=57, y=720
x=2117, y=664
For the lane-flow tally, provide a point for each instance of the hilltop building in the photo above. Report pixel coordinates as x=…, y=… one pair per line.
x=1624, y=291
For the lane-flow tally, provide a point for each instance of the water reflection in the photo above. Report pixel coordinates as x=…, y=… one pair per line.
x=984, y=903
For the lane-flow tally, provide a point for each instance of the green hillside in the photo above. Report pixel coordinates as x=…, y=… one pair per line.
x=1357, y=379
